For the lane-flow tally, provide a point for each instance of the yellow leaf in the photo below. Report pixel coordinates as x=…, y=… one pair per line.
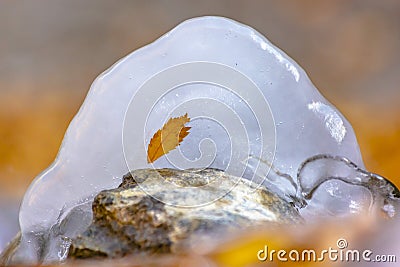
x=168, y=137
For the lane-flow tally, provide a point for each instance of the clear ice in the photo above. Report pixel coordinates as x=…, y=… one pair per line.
x=265, y=134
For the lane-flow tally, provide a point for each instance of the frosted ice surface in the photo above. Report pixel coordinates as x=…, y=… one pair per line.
x=333, y=121
x=296, y=123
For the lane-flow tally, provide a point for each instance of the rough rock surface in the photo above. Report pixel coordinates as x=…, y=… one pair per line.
x=127, y=220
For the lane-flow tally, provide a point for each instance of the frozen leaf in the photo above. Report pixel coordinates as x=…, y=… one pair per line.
x=168, y=137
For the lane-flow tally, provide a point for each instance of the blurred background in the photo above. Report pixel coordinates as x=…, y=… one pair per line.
x=51, y=51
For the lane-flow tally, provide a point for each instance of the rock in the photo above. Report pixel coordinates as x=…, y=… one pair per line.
x=10, y=249
x=127, y=220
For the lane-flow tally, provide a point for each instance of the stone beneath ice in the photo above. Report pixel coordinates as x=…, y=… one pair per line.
x=127, y=221
x=247, y=100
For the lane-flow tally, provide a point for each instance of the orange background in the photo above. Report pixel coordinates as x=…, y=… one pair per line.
x=51, y=51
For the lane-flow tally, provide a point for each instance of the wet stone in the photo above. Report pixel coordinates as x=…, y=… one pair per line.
x=127, y=220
